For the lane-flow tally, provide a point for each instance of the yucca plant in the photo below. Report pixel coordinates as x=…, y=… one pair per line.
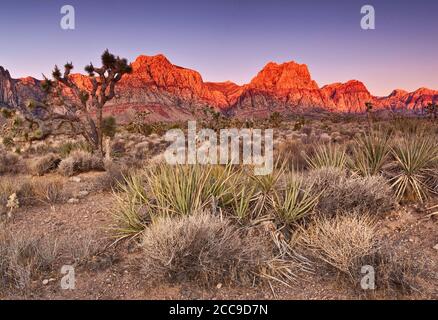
x=221, y=184
x=265, y=189
x=328, y=156
x=242, y=202
x=132, y=210
x=295, y=201
x=180, y=189
x=370, y=153
x=415, y=160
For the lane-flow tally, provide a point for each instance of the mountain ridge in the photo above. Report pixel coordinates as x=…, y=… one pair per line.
x=287, y=86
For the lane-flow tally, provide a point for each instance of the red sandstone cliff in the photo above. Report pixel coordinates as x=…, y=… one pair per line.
x=173, y=90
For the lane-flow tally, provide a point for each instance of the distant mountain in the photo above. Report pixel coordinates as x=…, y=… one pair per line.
x=173, y=92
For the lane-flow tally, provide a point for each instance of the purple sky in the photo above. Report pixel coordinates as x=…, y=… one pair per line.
x=232, y=40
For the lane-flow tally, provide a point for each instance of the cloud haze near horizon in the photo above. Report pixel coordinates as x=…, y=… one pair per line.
x=232, y=40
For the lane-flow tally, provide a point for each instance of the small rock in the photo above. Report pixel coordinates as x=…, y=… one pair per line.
x=219, y=285
x=324, y=137
x=83, y=193
x=73, y=201
x=436, y=247
x=45, y=281
x=75, y=179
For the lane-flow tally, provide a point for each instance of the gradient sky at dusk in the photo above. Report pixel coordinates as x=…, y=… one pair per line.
x=232, y=40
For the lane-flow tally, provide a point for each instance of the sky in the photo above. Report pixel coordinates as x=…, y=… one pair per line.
x=232, y=40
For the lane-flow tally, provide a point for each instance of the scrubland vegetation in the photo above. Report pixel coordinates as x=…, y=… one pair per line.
x=338, y=186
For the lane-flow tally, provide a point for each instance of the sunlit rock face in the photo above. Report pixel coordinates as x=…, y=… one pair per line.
x=176, y=93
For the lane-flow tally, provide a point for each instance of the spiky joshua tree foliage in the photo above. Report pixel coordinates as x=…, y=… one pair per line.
x=78, y=108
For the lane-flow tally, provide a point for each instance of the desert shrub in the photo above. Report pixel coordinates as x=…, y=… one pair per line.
x=202, y=248
x=9, y=162
x=347, y=242
x=109, y=127
x=294, y=154
x=338, y=191
x=415, y=163
x=48, y=190
x=342, y=242
x=45, y=164
x=113, y=176
x=21, y=188
x=8, y=142
x=80, y=161
x=370, y=153
x=66, y=148
x=22, y=257
x=330, y=155
x=31, y=191
x=117, y=149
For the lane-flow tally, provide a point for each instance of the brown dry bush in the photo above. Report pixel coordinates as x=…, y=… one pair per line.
x=48, y=191
x=9, y=162
x=112, y=177
x=348, y=242
x=80, y=161
x=201, y=248
x=340, y=192
x=23, y=257
x=293, y=154
x=31, y=191
x=342, y=241
x=45, y=164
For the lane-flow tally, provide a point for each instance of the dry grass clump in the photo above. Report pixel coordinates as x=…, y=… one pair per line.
x=30, y=191
x=348, y=242
x=48, y=191
x=22, y=258
x=45, y=164
x=294, y=154
x=202, y=248
x=339, y=192
x=113, y=176
x=9, y=162
x=342, y=242
x=80, y=161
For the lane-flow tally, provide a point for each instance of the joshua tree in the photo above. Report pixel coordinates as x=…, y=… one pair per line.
x=432, y=109
x=76, y=108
